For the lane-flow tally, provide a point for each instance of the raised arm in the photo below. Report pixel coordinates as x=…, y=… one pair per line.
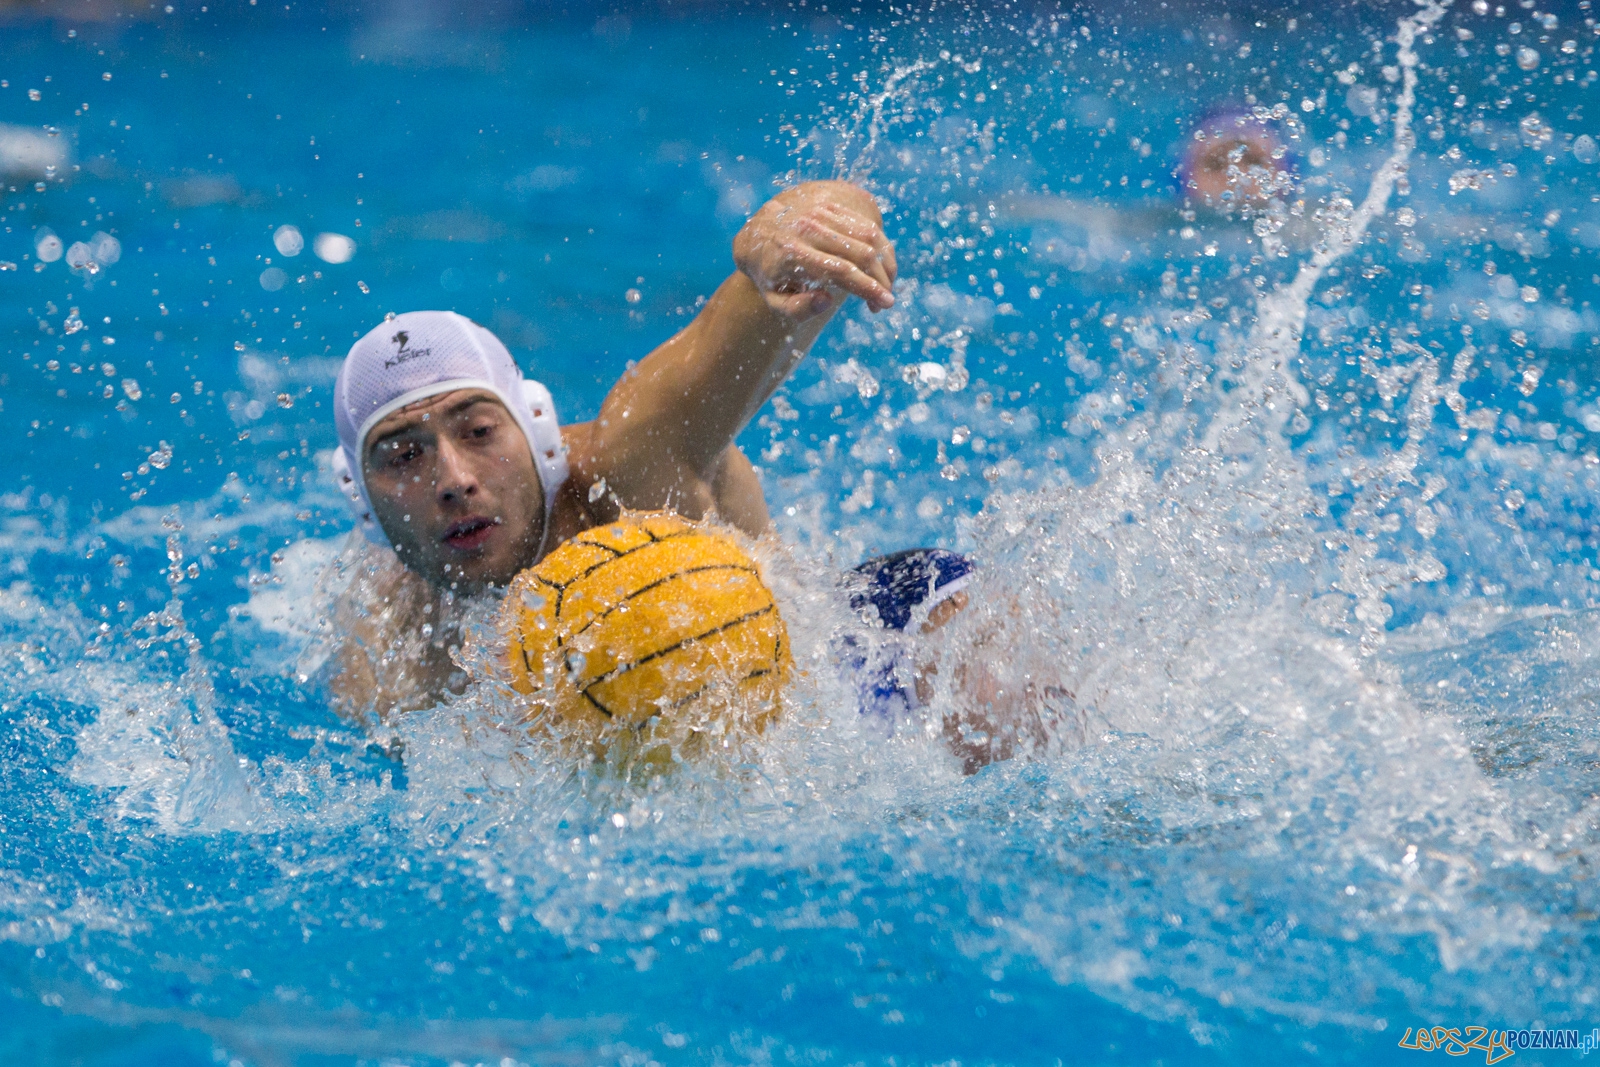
x=662, y=432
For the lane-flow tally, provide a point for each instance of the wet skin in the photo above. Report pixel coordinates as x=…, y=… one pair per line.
x=452, y=483
x=462, y=471
x=1236, y=165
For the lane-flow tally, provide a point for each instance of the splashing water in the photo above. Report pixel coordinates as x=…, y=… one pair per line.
x=1315, y=758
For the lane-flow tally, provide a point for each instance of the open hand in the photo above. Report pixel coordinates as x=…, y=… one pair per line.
x=811, y=246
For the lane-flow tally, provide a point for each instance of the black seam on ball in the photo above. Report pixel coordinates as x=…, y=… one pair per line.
x=561, y=591
x=658, y=583
x=615, y=552
x=621, y=669
x=629, y=552
x=601, y=708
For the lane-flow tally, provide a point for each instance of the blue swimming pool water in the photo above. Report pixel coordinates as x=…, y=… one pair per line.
x=1305, y=525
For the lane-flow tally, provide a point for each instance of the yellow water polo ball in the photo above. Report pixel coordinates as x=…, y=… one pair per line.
x=649, y=637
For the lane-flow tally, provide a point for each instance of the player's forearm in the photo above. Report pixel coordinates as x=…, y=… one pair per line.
x=686, y=401
x=665, y=424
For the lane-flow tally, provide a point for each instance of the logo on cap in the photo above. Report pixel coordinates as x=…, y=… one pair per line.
x=404, y=354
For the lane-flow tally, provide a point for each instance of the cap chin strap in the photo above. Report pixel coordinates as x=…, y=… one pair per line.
x=535, y=416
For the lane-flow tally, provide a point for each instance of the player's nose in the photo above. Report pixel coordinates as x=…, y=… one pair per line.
x=454, y=477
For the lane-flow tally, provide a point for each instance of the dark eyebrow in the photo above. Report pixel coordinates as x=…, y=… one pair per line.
x=454, y=409
x=473, y=401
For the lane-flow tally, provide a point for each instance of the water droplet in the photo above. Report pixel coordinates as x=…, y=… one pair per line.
x=1527, y=58
x=633, y=296
x=285, y=400
x=238, y=346
x=1361, y=100
x=1428, y=569
x=363, y=287
x=130, y=388
x=105, y=248
x=1536, y=133
x=272, y=279
x=47, y=246
x=34, y=94
x=288, y=241
x=1584, y=151
x=333, y=248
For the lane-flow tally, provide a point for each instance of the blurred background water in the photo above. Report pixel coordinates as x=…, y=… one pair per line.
x=1294, y=493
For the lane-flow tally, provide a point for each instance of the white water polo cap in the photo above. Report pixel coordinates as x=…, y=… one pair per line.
x=420, y=354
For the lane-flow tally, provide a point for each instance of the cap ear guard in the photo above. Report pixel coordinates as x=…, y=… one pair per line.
x=352, y=494
x=549, y=454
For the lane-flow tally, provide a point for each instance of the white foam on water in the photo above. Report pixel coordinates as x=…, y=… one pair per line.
x=1255, y=795
x=1273, y=391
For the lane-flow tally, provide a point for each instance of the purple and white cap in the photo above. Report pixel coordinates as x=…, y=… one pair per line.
x=420, y=354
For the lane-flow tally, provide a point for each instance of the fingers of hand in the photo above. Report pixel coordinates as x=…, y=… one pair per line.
x=887, y=256
x=843, y=274
x=792, y=247
x=868, y=230
x=851, y=223
x=865, y=255
x=802, y=304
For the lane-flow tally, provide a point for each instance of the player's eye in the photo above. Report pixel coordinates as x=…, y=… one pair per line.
x=404, y=453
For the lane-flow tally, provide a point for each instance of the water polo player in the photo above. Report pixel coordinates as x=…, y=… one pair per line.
x=1232, y=167
x=460, y=465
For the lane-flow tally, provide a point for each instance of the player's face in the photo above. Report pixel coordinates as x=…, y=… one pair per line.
x=1236, y=171
x=452, y=483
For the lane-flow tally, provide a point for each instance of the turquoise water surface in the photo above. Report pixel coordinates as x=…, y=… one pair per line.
x=1296, y=499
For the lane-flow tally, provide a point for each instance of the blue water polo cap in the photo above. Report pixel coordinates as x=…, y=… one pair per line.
x=896, y=584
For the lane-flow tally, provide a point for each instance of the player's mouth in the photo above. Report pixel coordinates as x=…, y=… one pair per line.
x=470, y=533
